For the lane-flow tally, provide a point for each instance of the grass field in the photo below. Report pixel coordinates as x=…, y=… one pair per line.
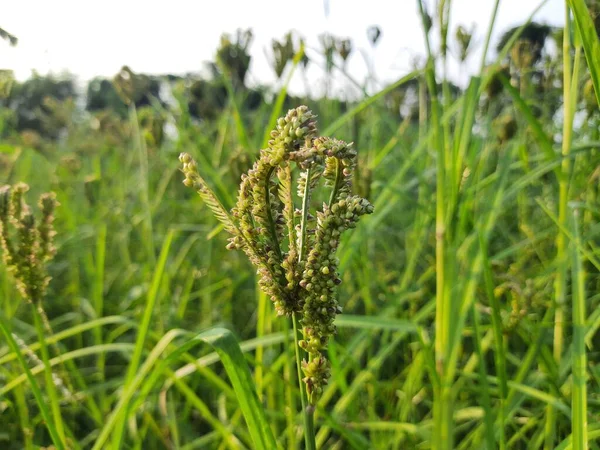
x=471, y=301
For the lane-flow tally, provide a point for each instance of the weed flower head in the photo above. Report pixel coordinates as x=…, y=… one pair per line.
x=27, y=244
x=292, y=249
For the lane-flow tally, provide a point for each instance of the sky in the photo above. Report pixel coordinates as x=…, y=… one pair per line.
x=91, y=38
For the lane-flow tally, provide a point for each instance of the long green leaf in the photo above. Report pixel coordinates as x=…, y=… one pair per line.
x=374, y=323
x=590, y=40
x=231, y=355
x=47, y=416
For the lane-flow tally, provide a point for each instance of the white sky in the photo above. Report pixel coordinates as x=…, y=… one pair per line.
x=90, y=38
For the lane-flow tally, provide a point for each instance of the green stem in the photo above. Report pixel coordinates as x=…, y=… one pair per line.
x=499, y=353
x=307, y=410
x=145, y=188
x=272, y=229
x=336, y=184
x=578, y=356
x=50, y=386
x=289, y=392
x=570, y=83
x=442, y=405
x=305, y=206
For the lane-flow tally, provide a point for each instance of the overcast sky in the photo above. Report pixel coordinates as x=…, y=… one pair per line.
x=90, y=38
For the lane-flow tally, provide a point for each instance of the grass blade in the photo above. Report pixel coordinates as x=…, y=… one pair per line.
x=46, y=415
x=374, y=323
x=231, y=355
x=589, y=39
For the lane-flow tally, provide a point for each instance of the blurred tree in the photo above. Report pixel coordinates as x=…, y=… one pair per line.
x=534, y=70
x=139, y=89
x=206, y=98
x=101, y=95
x=35, y=103
x=531, y=41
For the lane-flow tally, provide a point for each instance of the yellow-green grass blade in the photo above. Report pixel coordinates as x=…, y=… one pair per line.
x=589, y=39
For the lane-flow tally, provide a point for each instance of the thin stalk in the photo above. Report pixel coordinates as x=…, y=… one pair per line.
x=442, y=405
x=303, y=223
x=499, y=353
x=560, y=284
x=484, y=388
x=260, y=331
x=49, y=378
x=98, y=296
x=26, y=427
x=579, y=395
x=289, y=393
x=336, y=183
x=307, y=410
x=272, y=229
x=488, y=37
x=145, y=187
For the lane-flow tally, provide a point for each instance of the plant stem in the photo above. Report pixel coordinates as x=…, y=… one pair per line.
x=336, y=187
x=570, y=83
x=272, y=229
x=305, y=206
x=50, y=383
x=289, y=391
x=442, y=405
x=579, y=423
x=307, y=410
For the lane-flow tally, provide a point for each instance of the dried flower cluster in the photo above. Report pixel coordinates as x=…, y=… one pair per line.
x=27, y=245
x=293, y=250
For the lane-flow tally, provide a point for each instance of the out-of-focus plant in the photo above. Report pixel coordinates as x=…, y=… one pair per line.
x=233, y=55
x=374, y=34
x=464, y=39
x=136, y=89
x=283, y=53
x=344, y=49
x=11, y=38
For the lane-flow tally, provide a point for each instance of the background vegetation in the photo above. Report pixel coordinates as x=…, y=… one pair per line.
x=471, y=296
